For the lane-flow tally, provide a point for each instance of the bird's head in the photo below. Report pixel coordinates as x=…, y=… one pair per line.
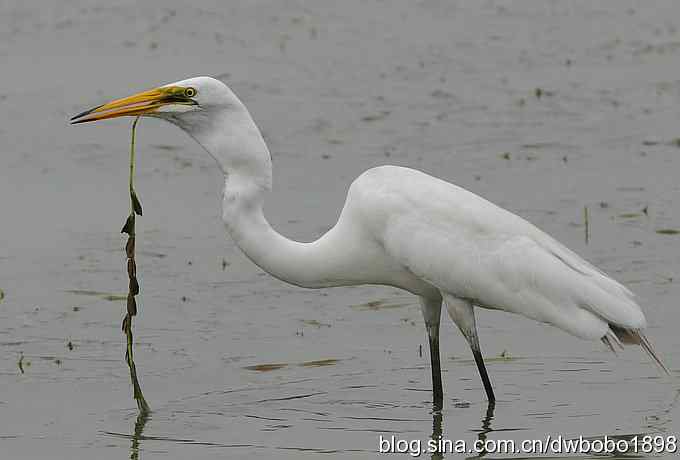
x=209, y=112
x=175, y=102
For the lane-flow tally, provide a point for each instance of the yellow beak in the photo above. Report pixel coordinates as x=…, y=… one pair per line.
x=138, y=104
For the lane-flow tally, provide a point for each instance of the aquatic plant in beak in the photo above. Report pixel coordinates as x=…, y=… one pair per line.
x=133, y=285
x=163, y=101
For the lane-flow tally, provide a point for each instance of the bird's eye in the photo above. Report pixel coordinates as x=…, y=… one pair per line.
x=189, y=92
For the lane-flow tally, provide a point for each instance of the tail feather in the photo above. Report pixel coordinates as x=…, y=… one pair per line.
x=634, y=337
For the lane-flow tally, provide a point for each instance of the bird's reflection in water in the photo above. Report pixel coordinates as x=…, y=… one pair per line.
x=437, y=419
x=437, y=433
x=138, y=434
x=486, y=428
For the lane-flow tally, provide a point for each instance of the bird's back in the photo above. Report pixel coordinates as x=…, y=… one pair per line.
x=470, y=248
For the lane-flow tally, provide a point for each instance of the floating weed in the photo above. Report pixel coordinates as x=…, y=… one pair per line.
x=103, y=295
x=630, y=215
x=266, y=367
x=2, y=295
x=320, y=363
x=168, y=147
x=662, y=280
x=376, y=116
x=667, y=231
x=377, y=305
x=157, y=255
x=675, y=142
x=133, y=285
x=70, y=346
x=586, y=222
x=543, y=145
x=313, y=322
x=540, y=92
x=20, y=363
x=113, y=297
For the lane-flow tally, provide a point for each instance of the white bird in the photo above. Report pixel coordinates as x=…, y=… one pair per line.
x=399, y=227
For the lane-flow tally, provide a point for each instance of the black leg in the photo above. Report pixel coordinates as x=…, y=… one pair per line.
x=431, y=309
x=437, y=391
x=462, y=313
x=485, y=376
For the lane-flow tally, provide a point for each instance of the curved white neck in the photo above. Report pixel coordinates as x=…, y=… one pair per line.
x=233, y=139
x=303, y=264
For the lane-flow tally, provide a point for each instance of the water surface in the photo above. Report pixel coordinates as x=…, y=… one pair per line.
x=543, y=107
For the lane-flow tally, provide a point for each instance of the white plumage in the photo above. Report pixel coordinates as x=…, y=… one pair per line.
x=472, y=249
x=399, y=227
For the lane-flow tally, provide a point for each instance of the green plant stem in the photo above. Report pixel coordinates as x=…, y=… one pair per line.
x=132, y=163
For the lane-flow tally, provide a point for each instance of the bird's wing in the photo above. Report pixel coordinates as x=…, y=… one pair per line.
x=473, y=249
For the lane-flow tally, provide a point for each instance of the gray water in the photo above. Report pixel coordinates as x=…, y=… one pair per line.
x=542, y=107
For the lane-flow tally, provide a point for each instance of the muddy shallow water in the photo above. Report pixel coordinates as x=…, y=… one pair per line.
x=544, y=108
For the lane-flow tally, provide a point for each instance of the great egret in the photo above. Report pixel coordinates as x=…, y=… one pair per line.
x=399, y=227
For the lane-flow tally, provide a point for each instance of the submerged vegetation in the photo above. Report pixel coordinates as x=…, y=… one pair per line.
x=275, y=366
x=668, y=231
